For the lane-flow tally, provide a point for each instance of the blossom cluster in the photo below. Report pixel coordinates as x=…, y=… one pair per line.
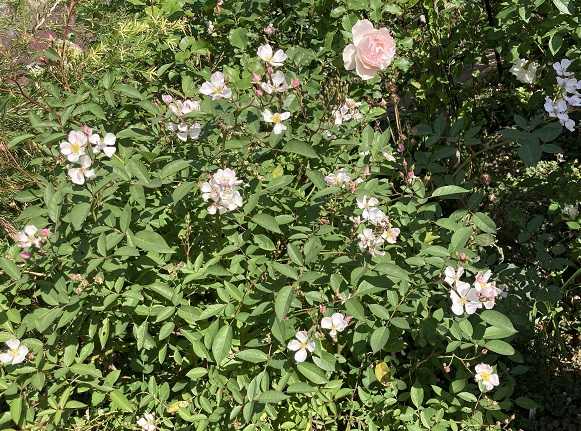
x=568, y=98
x=302, y=345
x=180, y=109
x=468, y=298
x=30, y=237
x=78, y=152
x=222, y=190
x=372, y=239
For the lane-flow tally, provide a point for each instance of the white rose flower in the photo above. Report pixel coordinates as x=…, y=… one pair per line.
x=336, y=323
x=106, y=146
x=486, y=376
x=277, y=119
x=74, y=147
x=81, y=174
x=274, y=58
x=302, y=346
x=147, y=422
x=15, y=354
x=216, y=87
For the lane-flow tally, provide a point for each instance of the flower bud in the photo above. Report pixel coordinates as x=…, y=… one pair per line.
x=167, y=99
x=322, y=309
x=87, y=130
x=25, y=255
x=258, y=92
x=256, y=78
x=45, y=232
x=269, y=30
x=295, y=83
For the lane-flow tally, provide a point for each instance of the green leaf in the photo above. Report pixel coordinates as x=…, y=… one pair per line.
x=460, y=238
x=562, y=6
x=448, y=191
x=301, y=148
x=129, y=91
x=379, y=338
x=496, y=318
x=417, y=395
x=484, y=223
x=500, y=347
x=85, y=370
x=252, y=355
x=222, y=344
x=282, y=301
x=267, y=221
x=238, y=37
x=196, y=373
x=120, y=401
x=173, y=167
x=312, y=372
x=286, y=270
x=10, y=268
x=78, y=214
x=271, y=397
x=16, y=409
x=151, y=241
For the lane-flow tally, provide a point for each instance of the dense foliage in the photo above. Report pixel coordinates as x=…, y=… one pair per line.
x=278, y=215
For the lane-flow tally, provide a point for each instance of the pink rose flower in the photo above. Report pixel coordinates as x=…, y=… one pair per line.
x=371, y=51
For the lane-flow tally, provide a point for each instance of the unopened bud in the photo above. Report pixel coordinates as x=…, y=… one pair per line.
x=87, y=130
x=256, y=78
x=25, y=255
x=258, y=92
x=167, y=99
x=322, y=308
x=295, y=83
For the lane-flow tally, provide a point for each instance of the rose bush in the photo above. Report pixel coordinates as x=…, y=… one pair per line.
x=239, y=238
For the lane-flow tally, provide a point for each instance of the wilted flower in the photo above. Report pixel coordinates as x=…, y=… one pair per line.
x=571, y=210
x=338, y=179
x=216, y=87
x=74, y=147
x=301, y=345
x=273, y=58
x=390, y=235
x=349, y=110
x=368, y=241
x=371, y=51
x=147, y=422
x=222, y=190
x=525, y=71
x=276, y=119
x=185, y=131
x=83, y=172
x=278, y=83
x=15, y=354
x=336, y=323
x=486, y=376
x=29, y=237
x=106, y=146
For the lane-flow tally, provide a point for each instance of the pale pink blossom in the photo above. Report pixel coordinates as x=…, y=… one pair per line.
x=185, y=131
x=390, y=235
x=372, y=50
x=486, y=376
x=74, y=147
x=147, y=422
x=222, y=190
x=465, y=299
x=370, y=242
x=271, y=57
x=82, y=173
x=216, y=87
x=277, y=83
x=105, y=145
